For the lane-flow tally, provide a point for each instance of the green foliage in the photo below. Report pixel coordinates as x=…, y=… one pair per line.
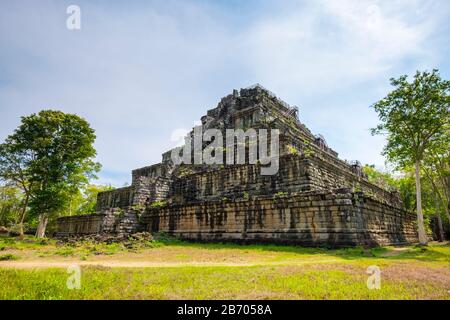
x=436, y=168
x=382, y=179
x=307, y=149
x=407, y=189
x=11, y=199
x=28, y=242
x=88, y=202
x=51, y=154
x=292, y=149
x=357, y=187
x=280, y=195
x=138, y=207
x=404, y=183
x=415, y=117
x=158, y=204
x=119, y=212
x=185, y=171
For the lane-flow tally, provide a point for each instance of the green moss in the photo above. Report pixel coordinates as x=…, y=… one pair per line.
x=158, y=204
x=292, y=149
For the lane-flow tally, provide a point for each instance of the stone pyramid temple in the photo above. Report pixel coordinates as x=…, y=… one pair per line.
x=314, y=199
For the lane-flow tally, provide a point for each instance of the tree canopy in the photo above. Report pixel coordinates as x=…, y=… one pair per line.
x=415, y=118
x=50, y=155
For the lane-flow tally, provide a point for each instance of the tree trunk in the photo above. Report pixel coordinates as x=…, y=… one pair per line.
x=40, y=232
x=441, y=228
x=440, y=234
x=3, y=213
x=445, y=202
x=447, y=213
x=420, y=225
x=22, y=216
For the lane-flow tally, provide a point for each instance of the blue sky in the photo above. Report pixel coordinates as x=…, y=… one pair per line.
x=139, y=70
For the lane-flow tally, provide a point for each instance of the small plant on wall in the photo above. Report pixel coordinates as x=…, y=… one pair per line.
x=280, y=195
x=292, y=149
x=158, y=204
x=119, y=213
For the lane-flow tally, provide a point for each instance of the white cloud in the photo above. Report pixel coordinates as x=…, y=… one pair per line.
x=326, y=45
x=137, y=72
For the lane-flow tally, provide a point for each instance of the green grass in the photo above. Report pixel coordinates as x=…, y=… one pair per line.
x=209, y=283
x=266, y=271
x=28, y=242
x=8, y=256
x=48, y=247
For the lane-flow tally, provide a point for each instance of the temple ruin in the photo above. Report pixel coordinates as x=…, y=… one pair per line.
x=315, y=199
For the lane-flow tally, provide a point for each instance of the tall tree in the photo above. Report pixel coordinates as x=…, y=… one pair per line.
x=436, y=166
x=57, y=155
x=10, y=204
x=14, y=165
x=415, y=118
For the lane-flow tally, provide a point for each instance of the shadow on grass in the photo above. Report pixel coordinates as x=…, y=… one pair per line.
x=433, y=252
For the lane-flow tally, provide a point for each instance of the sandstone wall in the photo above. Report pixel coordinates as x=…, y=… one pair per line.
x=81, y=225
x=328, y=175
x=148, y=184
x=234, y=182
x=296, y=174
x=114, y=221
x=312, y=219
x=117, y=198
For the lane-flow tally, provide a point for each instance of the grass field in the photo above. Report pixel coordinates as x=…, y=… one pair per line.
x=171, y=269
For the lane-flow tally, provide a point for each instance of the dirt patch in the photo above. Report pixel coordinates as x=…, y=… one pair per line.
x=395, y=252
x=417, y=273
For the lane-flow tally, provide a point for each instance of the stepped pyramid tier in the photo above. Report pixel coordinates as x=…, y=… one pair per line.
x=313, y=199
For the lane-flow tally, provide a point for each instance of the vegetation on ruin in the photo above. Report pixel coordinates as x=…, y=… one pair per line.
x=280, y=195
x=158, y=204
x=172, y=269
x=292, y=149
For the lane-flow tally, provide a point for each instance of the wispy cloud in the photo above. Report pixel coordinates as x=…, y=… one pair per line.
x=325, y=45
x=137, y=72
